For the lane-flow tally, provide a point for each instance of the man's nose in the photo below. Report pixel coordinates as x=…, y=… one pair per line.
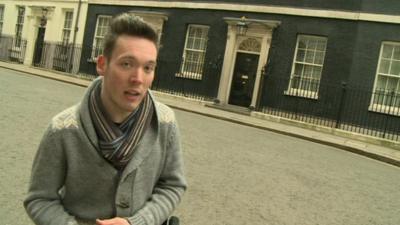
x=137, y=75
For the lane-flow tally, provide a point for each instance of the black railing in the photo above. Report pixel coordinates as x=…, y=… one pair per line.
x=58, y=56
x=12, y=49
x=350, y=108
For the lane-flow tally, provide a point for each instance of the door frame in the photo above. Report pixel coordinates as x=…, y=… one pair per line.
x=260, y=29
x=240, y=39
x=39, y=44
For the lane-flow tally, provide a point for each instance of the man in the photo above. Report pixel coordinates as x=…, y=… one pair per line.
x=115, y=158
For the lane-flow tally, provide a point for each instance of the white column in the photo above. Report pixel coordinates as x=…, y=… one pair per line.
x=31, y=27
x=225, y=80
x=266, y=40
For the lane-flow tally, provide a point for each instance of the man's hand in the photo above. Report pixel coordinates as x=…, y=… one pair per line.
x=113, y=221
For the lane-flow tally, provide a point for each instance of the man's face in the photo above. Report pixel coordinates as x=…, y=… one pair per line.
x=128, y=74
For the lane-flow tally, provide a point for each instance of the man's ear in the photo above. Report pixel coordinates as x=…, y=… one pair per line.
x=101, y=65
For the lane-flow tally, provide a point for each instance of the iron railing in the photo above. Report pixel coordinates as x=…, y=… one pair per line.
x=350, y=108
x=58, y=56
x=12, y=49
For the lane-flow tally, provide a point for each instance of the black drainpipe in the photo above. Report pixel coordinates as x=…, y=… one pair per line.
x=75, y=33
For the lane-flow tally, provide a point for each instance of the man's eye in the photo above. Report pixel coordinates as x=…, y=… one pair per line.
x=126, y=64
x=149, y=68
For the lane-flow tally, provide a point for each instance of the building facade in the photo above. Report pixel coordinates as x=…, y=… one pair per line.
x=333, y=63
x=42, y=33
x=275, y=54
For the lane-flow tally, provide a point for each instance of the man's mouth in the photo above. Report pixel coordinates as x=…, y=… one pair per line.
x=132, y=93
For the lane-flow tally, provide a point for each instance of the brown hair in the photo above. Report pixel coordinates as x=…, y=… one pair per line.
x=127, y=24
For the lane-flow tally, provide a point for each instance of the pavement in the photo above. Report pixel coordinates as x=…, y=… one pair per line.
x=376, y=148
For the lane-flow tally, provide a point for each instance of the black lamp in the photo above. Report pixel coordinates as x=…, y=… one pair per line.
x=43, y=20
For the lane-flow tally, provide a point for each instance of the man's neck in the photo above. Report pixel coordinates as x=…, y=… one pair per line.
x=116, y=116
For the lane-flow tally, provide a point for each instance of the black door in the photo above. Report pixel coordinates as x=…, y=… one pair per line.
x=37, y=57
x=243, y=79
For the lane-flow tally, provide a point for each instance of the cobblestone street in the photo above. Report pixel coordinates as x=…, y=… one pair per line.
x=238, y=175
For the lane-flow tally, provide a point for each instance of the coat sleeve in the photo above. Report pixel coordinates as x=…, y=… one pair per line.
x=43, y=201
x=168, y=190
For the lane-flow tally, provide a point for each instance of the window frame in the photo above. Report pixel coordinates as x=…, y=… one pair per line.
x=96, y=51
x=390, y=109
x=2, y=9
x=188, y=74
x=299, y=91
x=19, y=26
x=67, y=30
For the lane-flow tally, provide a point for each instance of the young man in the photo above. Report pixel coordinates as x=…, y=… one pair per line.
x=115, y=158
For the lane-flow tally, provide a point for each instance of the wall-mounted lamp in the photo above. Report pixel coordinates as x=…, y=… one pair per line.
x=241, y=26
x=43, y=20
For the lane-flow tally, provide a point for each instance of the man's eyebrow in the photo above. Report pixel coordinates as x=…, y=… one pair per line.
x=134, y=58
x=128, y=57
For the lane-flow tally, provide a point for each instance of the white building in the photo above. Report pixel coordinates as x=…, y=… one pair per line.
x=37, y=29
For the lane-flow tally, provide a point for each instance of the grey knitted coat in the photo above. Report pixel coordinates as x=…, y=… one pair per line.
x=71, y=183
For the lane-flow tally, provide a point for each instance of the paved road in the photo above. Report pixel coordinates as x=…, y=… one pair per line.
x=237, y=174
x=27, y=104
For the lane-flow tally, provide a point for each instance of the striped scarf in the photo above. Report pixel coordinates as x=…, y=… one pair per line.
x=118, y=142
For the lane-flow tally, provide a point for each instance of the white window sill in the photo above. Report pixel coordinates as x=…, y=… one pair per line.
x=193, y=76
x=15, y=49
x=92, y=60
x=390, y=110
x=301, y=93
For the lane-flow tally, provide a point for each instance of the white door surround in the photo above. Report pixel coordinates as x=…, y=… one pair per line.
x=258, y=31
x=34, y=15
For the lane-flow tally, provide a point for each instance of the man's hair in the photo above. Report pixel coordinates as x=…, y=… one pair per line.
x=127, y=24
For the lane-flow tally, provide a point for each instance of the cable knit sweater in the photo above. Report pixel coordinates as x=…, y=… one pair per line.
x=72, y=183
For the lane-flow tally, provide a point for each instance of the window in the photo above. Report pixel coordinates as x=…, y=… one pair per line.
x=1, y=18
x=194, y=52
x=101, y=30
x=62, y=58
x=66, y=32
x=386, y=95
x=18, y=26
x=154, y=19
x=307, y=66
